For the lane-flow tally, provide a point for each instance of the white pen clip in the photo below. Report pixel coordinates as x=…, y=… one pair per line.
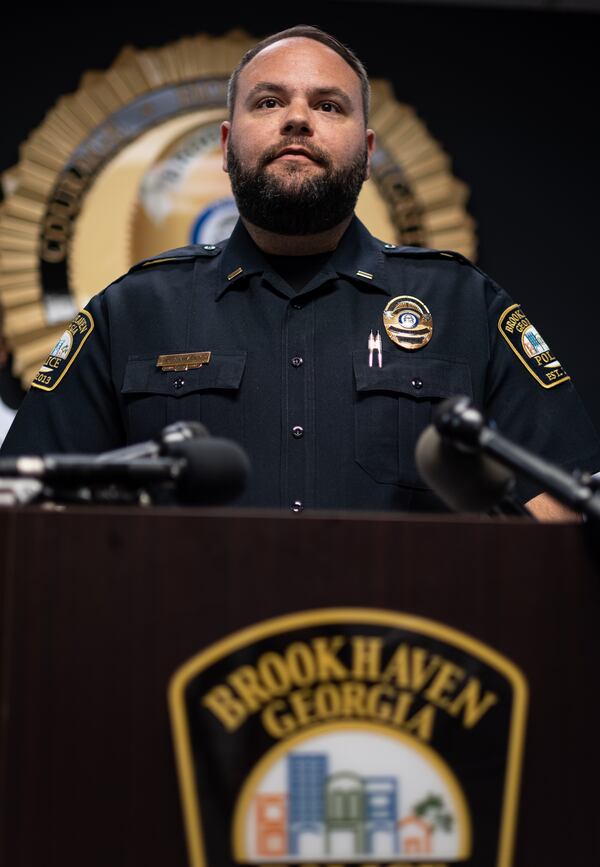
x=371, y=345
x=377, y=345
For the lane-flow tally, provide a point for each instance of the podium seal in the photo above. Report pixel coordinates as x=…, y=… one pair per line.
x=349, y=736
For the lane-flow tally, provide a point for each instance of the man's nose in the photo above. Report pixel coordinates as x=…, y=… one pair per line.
x=297, y=119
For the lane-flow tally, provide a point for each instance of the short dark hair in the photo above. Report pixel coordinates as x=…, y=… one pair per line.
x=305, y=31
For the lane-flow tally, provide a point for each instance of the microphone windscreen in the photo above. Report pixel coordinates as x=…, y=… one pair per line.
x=216, y=470
x=465, y=481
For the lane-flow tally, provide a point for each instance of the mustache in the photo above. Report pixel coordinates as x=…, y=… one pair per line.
x=316, y=153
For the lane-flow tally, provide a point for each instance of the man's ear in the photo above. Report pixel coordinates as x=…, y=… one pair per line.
x=225, y=132
x=370, y=150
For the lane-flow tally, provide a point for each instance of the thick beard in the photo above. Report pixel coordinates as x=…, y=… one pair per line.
x=296, y=204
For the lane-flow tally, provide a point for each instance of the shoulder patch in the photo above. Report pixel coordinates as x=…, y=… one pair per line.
x=530, y=347
x=179, y=254
x=64, y=352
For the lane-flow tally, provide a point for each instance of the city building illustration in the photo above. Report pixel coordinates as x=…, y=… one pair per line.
x=321, y=801
x=533, y=342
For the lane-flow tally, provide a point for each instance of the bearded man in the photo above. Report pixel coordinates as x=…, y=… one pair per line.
x=328, y=348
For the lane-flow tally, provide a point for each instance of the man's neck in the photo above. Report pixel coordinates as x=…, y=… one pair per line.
x=296, y=245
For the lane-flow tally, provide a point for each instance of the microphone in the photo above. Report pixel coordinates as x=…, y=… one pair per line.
x=216, y=470
x=463, y=427
x=199, y=469
x=464, y=481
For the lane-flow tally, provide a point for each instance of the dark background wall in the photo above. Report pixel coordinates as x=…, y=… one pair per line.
x=510, y=94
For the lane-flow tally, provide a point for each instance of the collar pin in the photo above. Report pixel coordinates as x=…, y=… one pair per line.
x=235, y=273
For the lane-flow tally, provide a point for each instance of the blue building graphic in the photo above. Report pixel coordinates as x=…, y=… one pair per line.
x=382, y=809
x=307, y=775
x=322, y=803
x=535, y=340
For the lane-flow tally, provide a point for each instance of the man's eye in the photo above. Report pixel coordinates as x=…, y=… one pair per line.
x=268, y=102
x=329, y=107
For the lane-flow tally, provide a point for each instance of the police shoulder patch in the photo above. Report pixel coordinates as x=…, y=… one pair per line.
x=530, y=347
x=64, y=352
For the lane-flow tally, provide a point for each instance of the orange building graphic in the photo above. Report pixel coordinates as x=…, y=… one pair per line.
x=416, y=836
x=271, y=825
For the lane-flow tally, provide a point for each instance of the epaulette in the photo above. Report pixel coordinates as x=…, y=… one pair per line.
x=425, y=253
x=178, y=254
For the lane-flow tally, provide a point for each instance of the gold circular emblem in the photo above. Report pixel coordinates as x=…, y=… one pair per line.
x=408, y=322
x=129, y=165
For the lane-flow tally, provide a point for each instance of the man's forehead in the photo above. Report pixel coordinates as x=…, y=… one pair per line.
x=281, y=58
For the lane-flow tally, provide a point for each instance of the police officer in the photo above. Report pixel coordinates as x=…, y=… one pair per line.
x=319, y=348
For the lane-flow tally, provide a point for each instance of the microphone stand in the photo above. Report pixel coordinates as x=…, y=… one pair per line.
x=460, y=423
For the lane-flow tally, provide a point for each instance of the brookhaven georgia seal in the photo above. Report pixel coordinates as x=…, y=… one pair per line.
x=349, y=736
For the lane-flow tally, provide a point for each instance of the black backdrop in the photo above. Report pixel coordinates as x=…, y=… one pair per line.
x=511, y=95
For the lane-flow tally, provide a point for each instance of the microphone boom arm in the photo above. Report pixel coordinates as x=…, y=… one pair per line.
x=462, y=425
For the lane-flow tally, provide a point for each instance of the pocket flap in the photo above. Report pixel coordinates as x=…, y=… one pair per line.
x=415, y=376
x=223, y=371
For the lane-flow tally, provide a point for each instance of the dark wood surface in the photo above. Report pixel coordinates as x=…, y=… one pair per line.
x=99, y=607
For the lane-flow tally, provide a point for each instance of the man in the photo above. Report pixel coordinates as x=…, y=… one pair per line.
x=328, y=348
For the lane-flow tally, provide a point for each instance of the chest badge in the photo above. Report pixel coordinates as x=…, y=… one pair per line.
x=408, y=322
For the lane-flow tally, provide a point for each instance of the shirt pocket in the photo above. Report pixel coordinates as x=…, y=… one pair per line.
x=154, y=398
x=394, y=405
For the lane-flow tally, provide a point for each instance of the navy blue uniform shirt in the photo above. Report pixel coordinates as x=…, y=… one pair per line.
x=289, y=377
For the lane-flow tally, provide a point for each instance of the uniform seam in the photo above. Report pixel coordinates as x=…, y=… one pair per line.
x=195, y=292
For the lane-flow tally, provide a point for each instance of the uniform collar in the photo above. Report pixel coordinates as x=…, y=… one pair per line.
x=241, y=258
x=358, y=256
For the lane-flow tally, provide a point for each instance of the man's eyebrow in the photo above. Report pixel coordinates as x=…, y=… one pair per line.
x=336, y=93
x=272, y=87
x=262, y=87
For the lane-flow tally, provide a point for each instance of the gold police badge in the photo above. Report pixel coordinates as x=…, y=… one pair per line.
x=408, y=322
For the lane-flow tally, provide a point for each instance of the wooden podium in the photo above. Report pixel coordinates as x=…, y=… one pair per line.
x=101, y=606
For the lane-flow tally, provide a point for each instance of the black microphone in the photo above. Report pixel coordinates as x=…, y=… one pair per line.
x=464, y=481
x=215, y=470
x=463, y=426
x=200, y=470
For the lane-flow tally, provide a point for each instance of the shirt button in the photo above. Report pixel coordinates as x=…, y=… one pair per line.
x=296, y=305
x=298, y=431
x=297, y=506
x=178, y=383
x=296, y=361
x=417, y=383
